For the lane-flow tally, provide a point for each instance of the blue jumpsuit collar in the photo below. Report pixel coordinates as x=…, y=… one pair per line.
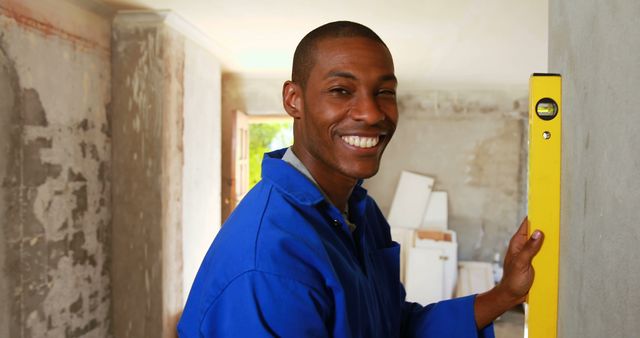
x=294, y=184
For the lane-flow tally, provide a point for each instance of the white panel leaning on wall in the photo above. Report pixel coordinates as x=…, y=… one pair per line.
x=429, y=250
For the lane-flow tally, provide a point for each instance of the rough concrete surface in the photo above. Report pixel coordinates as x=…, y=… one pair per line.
x=595, y=46
x=139, y=136
x=9, y=94
x=473, y=144
x=55, y=177
x=169, y=86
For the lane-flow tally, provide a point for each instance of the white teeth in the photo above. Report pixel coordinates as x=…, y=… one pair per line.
x=361, y=142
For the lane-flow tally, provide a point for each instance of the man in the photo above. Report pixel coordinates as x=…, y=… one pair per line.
x=307, y=253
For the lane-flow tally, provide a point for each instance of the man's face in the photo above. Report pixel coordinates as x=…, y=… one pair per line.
x=349, y=108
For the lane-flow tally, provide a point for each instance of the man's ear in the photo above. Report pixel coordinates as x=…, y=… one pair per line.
x=292, y=99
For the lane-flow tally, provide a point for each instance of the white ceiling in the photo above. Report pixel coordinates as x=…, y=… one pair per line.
x=469, y=43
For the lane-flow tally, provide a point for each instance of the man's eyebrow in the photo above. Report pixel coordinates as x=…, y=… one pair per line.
x=339, y=73
x=388, y=77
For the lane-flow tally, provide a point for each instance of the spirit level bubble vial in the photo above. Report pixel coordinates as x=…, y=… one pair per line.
x=545, y=123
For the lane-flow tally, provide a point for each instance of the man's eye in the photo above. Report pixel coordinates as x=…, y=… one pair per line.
x=339, y=90
x=387, y=92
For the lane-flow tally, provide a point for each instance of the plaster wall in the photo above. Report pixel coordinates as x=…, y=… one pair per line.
x=473, y=143
x=257, y=95
x=55, y=146
x=202, y=158
x=166, y=160
x=595, y=46
x=146, y=58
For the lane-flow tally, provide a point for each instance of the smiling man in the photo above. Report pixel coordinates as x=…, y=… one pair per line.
x=308, y=253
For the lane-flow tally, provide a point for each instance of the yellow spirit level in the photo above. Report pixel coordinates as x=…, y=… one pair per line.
x=545, y=123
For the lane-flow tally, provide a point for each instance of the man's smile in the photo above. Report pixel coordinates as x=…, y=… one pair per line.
x=361, y=141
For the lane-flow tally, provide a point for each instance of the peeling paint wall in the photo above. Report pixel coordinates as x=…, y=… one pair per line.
x=473, y=144
x=55, y=176
x=167, y=96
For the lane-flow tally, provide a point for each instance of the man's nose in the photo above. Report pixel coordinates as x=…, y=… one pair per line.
x=368, y=110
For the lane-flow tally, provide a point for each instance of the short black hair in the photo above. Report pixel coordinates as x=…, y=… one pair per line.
x=304, y=59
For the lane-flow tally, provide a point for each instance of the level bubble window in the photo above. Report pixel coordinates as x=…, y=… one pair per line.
x=546, y=109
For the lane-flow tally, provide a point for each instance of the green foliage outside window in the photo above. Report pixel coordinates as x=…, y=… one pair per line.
x=263, y=138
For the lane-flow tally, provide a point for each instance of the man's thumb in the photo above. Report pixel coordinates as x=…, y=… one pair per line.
x=532, y=247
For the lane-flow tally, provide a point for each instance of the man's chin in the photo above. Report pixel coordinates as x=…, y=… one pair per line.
x=364, y=173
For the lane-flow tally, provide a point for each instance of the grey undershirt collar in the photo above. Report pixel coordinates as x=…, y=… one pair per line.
x=295, y=162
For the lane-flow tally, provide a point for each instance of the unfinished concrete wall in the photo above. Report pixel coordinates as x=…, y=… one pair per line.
x=54, y=169
x=473, y=144
x=167, y=97
x=595, y=46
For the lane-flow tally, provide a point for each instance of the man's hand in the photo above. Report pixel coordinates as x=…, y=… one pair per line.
x=517, y=279
x=518, y=272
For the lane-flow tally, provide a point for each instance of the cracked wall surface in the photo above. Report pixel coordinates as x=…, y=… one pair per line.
x=473, y=143
x=55, y=175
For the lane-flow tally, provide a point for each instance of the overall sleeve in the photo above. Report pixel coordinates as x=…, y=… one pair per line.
x=446, y=319
x=260, y=304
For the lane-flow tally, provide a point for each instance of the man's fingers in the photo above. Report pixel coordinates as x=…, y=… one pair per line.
x=524, y=228
x=519, y=238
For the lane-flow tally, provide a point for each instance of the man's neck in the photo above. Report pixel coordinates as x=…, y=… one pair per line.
x=336, y=186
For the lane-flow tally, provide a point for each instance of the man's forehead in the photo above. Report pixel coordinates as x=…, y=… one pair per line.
x=339, y=73
x=333, y=53
x=347, y=44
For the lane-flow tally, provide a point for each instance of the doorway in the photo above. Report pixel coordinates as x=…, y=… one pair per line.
x=251, y=137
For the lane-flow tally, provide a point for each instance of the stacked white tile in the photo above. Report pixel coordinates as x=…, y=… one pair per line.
x=449, y=257
x=410, y=200
x=428, y=268
x=405, y=237
x=425, y=276
x=437, y=212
